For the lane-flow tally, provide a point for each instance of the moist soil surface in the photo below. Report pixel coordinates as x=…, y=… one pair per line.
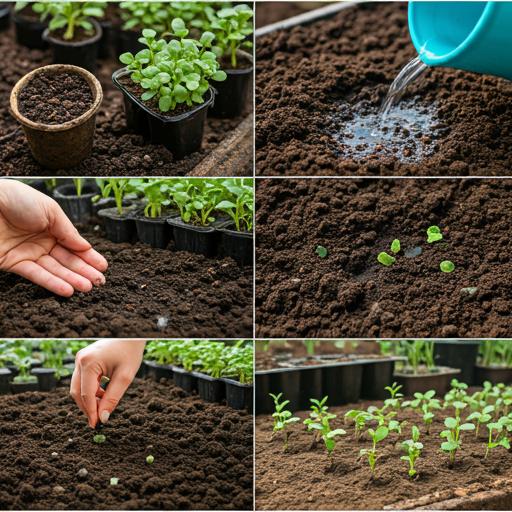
x=117, y=151
x=310, y=81
x=202, y=453
x=148, y=293
x=55, y=99
x=80, y=35
x=302, y=478
x=270, y=12
x=349, y=293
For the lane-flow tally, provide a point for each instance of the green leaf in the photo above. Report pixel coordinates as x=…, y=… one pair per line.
x=447, y=266
x=126, y=58
x=192, y=85
x=385, y=259
x=467, y=426
x=164, y=103
x=147, y=95
x=449, y=446
x=450, y=422
x=395, y=246
x=219, y=76
x=149, y=33
x=180, y=93
x=321, y=251
x=381, y=433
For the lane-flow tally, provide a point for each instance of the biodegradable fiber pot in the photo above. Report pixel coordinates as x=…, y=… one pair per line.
x=29, y=31
x=232, y=93
x=77, y=208
x=239, y=246
x=239, y=396
x=83, y=54
x=22, y=387
x=45, y=378
x=5, y=377
x=154, y=231
x=120, y=228
x=184, y=380
x=59, y=146
x=210, y=389
x=181, y=134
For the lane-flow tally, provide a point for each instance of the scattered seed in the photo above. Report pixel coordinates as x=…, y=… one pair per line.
x=82, y=473
x=113, y=481
x=150, y=459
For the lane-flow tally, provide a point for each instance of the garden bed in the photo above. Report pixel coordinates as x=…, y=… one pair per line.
x=202, y=453
x=312, y=80
x=301, y=478
x=117, y=151
x=349, y=293
x=148, y=293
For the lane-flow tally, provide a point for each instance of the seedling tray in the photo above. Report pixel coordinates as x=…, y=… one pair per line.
x=438, y=381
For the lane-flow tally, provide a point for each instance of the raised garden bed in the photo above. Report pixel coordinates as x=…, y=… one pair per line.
x=349, y=293
x=203, y=453
x=148, y=293
x=313, y=79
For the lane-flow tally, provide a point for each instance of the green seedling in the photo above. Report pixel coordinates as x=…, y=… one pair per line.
x=150, y=459
x=377, y=435
x=360, y=418
x=99, y=438
x=427, y=415
x=447, y=266
x=385, y=259
x=282, y=418
x=501, y=434
x=114, y=481
x=481, y=417
x=420, y=399
x=458, y=393
x=395, y=246
x=434, y=234
x=386, y=420
x=452, y=435
x=317, y=414
x=240, y=208
x=413, y=448
x=327, y=434
x=395, y=401
x=321, y=251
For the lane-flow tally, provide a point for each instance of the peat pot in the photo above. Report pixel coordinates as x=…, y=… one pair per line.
x=438, y=381
x=493, y=374
x=22, y=387
x=66, y=145
x=45, y=378
x=154, y=231
x=232, y=93
x=238, y=245
x=77, y=208
x=29, y=30
x=181, y=134
x=185, y=380
x=120, y=228
x=83, y=54
x=458, y=354
x=210, y=389
x=5, y=378
x=238, y=395
x=159, y=371
x=4, y=15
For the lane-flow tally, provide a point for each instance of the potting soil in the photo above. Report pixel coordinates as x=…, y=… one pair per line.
x=202, y=453
x=148, y=293
x=311, y=81
x=349, y=293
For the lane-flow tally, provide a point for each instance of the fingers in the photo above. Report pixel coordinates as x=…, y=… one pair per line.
x=62, y=229
x=76, y=281
x=89, y=389
x=116, y=388
x=42, y=277
x=76, y=388
x=93, y=258
x=77, y=266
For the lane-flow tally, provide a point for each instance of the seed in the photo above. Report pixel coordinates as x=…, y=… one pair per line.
x=82, y=473
x=150, y=459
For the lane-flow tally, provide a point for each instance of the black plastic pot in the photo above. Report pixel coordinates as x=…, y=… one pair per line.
x=39, y=185
x=458, y=354
x=15, y=371
x=154, y=231
x=119, y=228
x=128, y=41
x=377, y=375
x=239, y=396
x=77, y=208
x=142, y=371
x=5, y=378
x=232, y=93
x=29, y=31
x=36, y=364
x=185, y=380
x=45, y=378
x=210, y=389
x=108, y=39
x=181, y=135
x=83, y=54
x=492, y=374
x=67, y=360
x=239, y=246
x=4, y=16
x=23, y=387
x=438, y=381
x=159, y=371
x=108, y=202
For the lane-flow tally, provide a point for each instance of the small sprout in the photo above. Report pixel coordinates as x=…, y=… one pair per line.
x=377, y=436
x=395, y=246
x=321, y=251
x=104, y=379
x=385, y=259
x=434, y=234
x=321, y=424
x=395, y=401
x=447, y=266
x=452, y=435
x=99, y=439
x=114, y=481
x=282, y=418
x=501, y=435
x=150, y=459
x=481, y=417
x=413, y=447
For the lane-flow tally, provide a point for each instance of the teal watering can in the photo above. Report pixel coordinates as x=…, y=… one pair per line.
x=474, y=36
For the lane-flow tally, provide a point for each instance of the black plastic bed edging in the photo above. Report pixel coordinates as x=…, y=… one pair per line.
x=158, y=371
x=344, y=383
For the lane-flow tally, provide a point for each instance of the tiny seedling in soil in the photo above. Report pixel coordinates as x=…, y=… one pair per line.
x=428, y=416
x=452, y=435
x=360, y=419
x=385, y=259
x=447, y=266
x=458, y=393
x=321, y=251
x=114, y=481
x=328, y=435
x=377, y=435
x=99, y=439
x=481, y=417
x=501, y=435
x=282, y=418
x=395, y=246
x=150, y=459
x=420, y=399
x=317, y=414
x=413, y=447
x=395, y=401
x=434, y=234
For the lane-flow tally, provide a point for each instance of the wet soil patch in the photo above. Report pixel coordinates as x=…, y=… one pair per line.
x=55, y=99
x=117, y=151
x=349, y=293
x=202, y=453
x=303, y=479
x=148, y=293
x=270, y=12
x=307, y=76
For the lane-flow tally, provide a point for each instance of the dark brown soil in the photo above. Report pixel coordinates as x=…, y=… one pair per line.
x=302, y=478
x=117, y=151
x=349, y=293
x=27, y=12
x=270, y=12
x=196, y=296
x=55, y=99
x=241, y=63
x=345, y=64
x=79, y=35
x=202, y=453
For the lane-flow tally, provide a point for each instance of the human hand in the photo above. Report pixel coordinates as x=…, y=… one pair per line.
x=40, y=243
x=119, y=360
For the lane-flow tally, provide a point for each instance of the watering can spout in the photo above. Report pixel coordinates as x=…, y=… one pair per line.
x=474, y=36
